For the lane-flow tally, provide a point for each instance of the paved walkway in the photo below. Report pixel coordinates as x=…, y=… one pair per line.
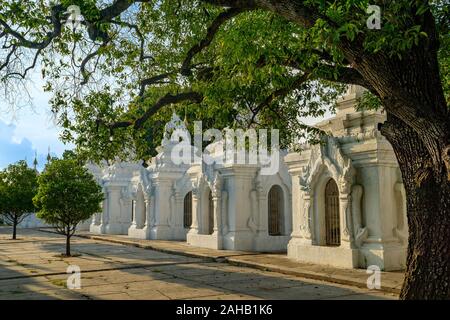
x=390, y=281
x=32, y=268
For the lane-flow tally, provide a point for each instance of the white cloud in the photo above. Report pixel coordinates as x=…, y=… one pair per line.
x=29, y=129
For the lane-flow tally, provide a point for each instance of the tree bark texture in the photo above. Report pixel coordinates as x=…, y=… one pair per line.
x=428, y=209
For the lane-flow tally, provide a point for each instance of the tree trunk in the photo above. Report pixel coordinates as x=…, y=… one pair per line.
x=68, y=245
x=409, y=87
x=428, y=208
x=14, y=236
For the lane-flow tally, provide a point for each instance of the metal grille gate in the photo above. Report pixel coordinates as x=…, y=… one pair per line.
x=332, y=221
x=210, y=214
x=187, y=217
x=275, y=202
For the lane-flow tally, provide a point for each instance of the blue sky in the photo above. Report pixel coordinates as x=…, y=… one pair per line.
x=29, y=130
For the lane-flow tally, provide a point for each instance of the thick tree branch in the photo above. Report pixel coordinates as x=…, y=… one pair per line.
x=327, y=70
x=8, y=58
x=86, y=60
x=211, y=32
x=295, y=11
x=56, y=17
x=168, y=99
x=186, y=67
x=117, y=8
x=345, y=75
x=282, y=92
x=142, y=55
x=241, y=4
x=153, y=80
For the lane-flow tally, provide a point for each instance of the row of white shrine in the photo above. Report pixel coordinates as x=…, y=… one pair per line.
x=339, y=203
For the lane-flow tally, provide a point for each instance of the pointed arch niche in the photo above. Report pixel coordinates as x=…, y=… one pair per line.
x=327, y=182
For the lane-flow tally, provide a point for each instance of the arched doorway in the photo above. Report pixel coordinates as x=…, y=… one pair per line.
x=275, y=211
x=138, y=209
x=133, y=210
x=210, y=213
x=332, y=220
x=187, y=210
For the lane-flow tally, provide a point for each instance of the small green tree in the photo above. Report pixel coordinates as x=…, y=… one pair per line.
x=67, y=195
x=18, y=186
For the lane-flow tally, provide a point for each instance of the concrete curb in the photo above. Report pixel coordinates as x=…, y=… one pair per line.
x=310, y=275
x=235, y=260
x=147, y=246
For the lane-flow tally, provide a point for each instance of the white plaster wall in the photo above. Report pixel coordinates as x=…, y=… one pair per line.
x=31, y=221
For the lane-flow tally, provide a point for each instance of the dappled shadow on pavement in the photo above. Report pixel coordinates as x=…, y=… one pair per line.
x=32, y=267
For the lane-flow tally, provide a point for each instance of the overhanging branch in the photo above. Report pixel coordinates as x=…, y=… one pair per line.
x=211, y=32
x=345, y=75
x=167, y=99
x=282, y=92
x=295, y=11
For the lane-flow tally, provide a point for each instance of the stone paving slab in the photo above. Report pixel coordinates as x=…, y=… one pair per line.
x=33, y=268
x=390, y=281
x=175, y=247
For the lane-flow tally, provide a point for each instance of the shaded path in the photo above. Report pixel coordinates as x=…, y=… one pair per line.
x=31, y=268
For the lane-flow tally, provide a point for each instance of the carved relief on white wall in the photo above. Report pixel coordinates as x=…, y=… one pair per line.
x=326, y=160
x=306, y=227
x=360, y=232
x=151, y=214
x=171, y=219
x=400, y=231
x=253, y=221
x=224, y=211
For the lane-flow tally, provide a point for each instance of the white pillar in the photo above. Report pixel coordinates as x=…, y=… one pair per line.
x=306, y=218
x=217, y=213
x=344, y=212
x=134, y=210
x=195, y=211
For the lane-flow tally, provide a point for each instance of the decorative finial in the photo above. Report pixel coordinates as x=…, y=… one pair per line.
x=185, y=117
x=49, y=157
x=174, y=124
x=35, y=162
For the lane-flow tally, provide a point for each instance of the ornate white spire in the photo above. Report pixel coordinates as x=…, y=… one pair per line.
x=35, y=162
x=174, y=124
x=347, y=103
